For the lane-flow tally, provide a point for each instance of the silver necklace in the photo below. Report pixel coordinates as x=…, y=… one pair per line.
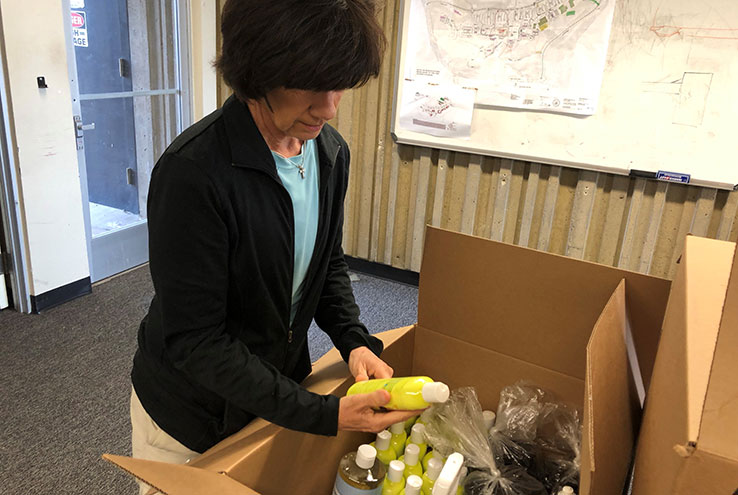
x=300, y=166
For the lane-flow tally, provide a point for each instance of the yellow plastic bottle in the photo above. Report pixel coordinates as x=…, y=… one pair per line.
x=413, y=485
x=385, y=452
x=409, y=424
x=397, y=441
x=408, y=393
x=431, y=475
x=417, y=436
x=394, y=482
x=412, y=462
x=433, y=454
x=424, y=417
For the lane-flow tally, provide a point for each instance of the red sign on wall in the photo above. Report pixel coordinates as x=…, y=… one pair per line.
x=78, y=20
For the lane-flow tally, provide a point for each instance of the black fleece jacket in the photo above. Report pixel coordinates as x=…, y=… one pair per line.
x=216, y=348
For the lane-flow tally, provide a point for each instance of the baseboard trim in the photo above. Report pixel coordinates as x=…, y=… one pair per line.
x=383, y=271
x=60, y=295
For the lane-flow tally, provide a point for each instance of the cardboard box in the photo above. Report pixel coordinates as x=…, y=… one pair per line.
x=689, y=439
x=489, y=314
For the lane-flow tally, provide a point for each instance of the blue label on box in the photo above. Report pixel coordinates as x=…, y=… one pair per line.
x=673, y=177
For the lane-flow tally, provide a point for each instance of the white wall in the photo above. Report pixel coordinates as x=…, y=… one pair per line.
x=45, y=150
x=203, y=50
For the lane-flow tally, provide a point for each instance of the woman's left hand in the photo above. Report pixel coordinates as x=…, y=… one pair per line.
x=363, y=364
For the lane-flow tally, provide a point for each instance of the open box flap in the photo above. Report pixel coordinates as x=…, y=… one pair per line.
x=499, y=296
x=611, y=405
x=177, y=479
x=719, y=429
x=706, y=474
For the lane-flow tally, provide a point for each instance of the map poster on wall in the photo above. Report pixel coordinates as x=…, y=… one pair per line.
x=528, y=54
x=439, y=110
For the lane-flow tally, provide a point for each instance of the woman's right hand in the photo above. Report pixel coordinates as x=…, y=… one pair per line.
x=358, y=412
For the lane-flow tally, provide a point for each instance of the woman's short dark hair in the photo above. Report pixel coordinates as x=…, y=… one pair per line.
x=318, y=45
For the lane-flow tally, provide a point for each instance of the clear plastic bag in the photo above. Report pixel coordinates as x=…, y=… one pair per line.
x=458, y=426
x=559, y=439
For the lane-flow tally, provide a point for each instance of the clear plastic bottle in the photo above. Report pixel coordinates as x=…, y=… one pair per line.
x=567, y=490
x=360, y=473
x=395, y=480
x=407, y=393
x=385, y=452
x=413, y=486
x=417, y=436
x=397, y=441
x=431, y=475
x=462, y=478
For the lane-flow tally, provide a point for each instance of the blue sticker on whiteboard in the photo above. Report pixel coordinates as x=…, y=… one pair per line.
x=673, y=177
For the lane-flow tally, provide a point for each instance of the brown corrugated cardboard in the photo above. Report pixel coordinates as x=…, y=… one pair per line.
x=489, y=315
x=688, y=443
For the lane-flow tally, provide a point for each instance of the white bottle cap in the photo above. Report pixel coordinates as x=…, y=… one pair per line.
x=412, y=452
x=567, y=490
x=398, y=428
x=489, y=419
x=435, y=392
x=365, y=456
x=417, y=434
x=413, y=485
x=396, y=470
x=383, y=440
x=448, y=480
x=434, y=468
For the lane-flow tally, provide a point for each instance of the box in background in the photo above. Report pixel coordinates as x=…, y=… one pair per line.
x=489, y=315
x=688, y=443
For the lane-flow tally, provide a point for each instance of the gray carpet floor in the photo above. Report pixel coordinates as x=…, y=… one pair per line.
x=65, y=387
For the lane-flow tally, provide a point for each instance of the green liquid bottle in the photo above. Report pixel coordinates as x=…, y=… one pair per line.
x=413, y=486
x=385, y=452
x=360, y=473
x=409, y=424
x=433, y=454
x=408, y=393
x=417, y=436
x=412, y=461
x=397, y=441
x=395, y=480
x=431, y=475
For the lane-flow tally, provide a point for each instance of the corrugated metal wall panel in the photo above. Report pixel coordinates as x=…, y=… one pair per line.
x=395, y=190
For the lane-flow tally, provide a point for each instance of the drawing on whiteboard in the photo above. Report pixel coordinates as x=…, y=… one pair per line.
x=539, y=54
x=438, y=110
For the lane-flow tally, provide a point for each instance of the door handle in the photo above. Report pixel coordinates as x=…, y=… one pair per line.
x=85, y=127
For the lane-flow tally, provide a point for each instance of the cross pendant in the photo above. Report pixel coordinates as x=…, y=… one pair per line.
x=302, y=171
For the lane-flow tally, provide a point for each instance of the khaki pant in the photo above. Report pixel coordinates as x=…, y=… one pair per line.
x=152, y=443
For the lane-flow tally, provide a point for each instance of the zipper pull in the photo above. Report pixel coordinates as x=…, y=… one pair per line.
x=289, y=337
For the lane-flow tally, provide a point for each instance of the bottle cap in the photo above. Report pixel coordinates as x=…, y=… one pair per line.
x=489, y=419
x=398, y=428
x=365, y=456
x=413, y=485
x=383, y=440
x=435, y=392
x=434, y=468
x=417, y=434
x=567, y=490
x=412, y=452
x=396, y=470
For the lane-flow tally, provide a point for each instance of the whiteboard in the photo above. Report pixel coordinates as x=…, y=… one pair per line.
x=668, y=101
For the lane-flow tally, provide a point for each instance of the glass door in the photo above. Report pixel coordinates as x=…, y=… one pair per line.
x=129, y=103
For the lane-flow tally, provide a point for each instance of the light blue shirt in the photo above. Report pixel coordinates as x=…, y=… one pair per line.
x=304, y=194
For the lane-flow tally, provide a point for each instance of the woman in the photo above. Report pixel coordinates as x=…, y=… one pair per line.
x=245, y=220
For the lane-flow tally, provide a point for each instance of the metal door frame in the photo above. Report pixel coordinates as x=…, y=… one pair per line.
x=10, y=198
x=128, y=251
